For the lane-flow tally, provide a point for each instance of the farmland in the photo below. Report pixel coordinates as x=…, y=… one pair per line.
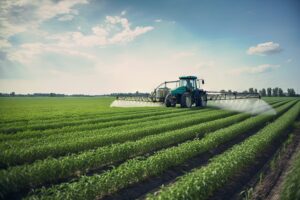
x=80, y=148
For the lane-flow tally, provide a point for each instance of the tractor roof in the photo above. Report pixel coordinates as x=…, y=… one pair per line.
x=187, y=77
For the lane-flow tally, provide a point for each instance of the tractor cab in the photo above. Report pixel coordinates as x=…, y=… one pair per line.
x=187, y=84
x=190, y=82
x=187, y=94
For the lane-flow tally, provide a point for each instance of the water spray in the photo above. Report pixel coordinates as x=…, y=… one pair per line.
x=251, y=106
x=120, y=103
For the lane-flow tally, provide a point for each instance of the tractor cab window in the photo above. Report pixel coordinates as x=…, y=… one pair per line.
x=188, y=83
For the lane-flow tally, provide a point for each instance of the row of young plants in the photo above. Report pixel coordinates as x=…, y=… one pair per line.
x=77, y=116
x=61, y=131
x=20, y=155
x=35, y=137
x=23, y=177
x=68, y=133
x=30, y=138
x=13, y=127
x=42, y=126
x=136, y=170
x=65, y=134
x=203, y=182
x=291, y=184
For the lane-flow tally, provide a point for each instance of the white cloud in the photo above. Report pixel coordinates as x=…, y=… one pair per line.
x=266, y=48
x=25, y=15
x=128, y=35
x=4, y=44
x=115, y=30
x=66, y=18
x=158, y=20
x=289, y=60
x=27, y=52
x=254, y=70
x=50, y=9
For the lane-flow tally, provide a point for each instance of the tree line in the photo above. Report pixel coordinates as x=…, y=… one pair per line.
x=275, y=92
x=270, y=92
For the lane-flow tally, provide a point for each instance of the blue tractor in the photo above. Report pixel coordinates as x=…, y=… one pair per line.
x=187, y=93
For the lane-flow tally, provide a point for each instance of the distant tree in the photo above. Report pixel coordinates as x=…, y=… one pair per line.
x=275, y=92
x=269, y=92
x=263, y=92
x=251, y=90
x=229, y=91
x=222, y=91
x=291, y=92
x=12, y=94
x=280, y=92
x=255, y=90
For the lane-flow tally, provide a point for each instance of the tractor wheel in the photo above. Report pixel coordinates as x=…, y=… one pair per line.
x=203, y=100
x=169, y=101
x=186, y=100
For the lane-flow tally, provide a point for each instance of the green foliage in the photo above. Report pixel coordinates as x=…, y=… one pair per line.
x=47, y=140
x=136, y=170
x=20, y=177
x=203, y=182
x=291, y=185
x=14, y=156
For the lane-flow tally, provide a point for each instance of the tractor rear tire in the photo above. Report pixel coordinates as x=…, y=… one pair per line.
x=169, y=102
x=186, y=100
x=203, y=100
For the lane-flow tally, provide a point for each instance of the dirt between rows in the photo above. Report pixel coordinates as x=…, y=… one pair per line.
x=139, y=190
x=267, y=183
x=266, y=188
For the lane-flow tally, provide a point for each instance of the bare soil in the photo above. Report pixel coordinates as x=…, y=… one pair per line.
x=268, y=174
x=270, y=186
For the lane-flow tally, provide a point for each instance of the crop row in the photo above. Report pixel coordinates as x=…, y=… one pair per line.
x=42, y=126
x=291, y=184
x=35, y=137
x=49, y=136
x=136, y=170
x=20, y=155
x=58, y=119
x=30, y=138
x=55, y=116
x=20, y=177
x=75, y=116
x=73, y=128
x=68, y=136
x=202, y=183
x=15, y=126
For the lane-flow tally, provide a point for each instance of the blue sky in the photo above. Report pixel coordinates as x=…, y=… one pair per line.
x=96, y=47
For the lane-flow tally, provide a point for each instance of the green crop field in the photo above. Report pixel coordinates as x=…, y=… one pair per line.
x=81, y=148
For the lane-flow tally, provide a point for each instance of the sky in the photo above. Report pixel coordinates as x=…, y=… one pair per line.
x=107, y=46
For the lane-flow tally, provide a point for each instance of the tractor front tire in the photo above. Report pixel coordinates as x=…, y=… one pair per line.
x=169, y=101
x=186, y=100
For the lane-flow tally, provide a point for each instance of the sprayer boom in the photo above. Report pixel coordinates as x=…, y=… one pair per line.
x=186, y=93
x=215, y=96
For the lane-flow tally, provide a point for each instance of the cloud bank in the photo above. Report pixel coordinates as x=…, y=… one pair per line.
x=267, y=48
